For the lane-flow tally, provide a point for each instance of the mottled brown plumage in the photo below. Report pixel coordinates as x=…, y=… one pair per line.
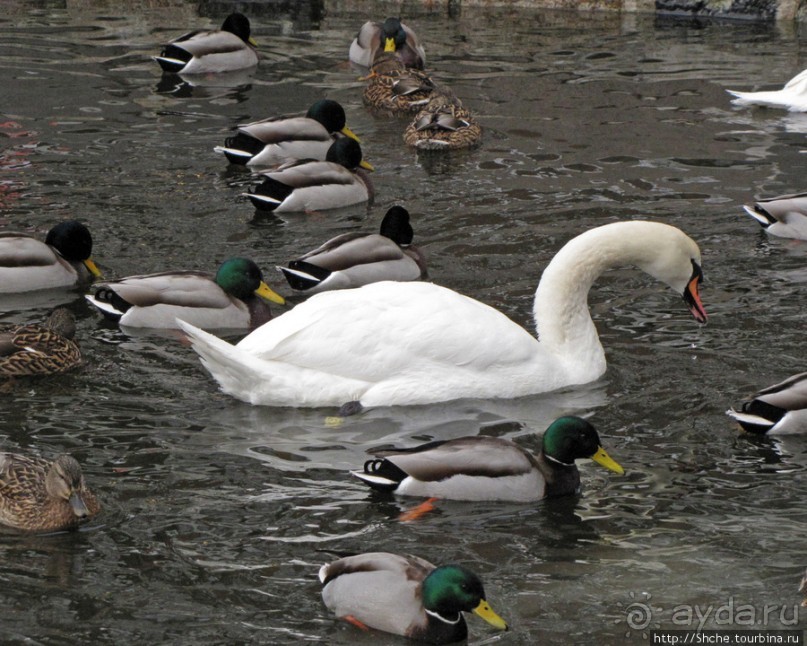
x=37, y=495
x=395, y=89
x=40, y=349
x=444, y=124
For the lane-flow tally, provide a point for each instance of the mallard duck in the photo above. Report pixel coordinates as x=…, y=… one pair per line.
x=356, y=259
x=46, y=349
x=784, y=216
x=405, y=595
x=395, y=89
x=210, y=51
x=37, y=495
x=316, y=185
x=284, y=139
x=490, y=468
x=781, y=408
x=63, y=260
x=792, y=97
x=392, y=343
x=233, y=298
x=390, y=36
x=444, y=124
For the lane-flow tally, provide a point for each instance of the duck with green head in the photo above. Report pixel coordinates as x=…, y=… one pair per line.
x=39, y=495
x=206, y=51
x=233, y=298
x=280, y=140
x=490, y=468
x=307, y=185
x=62, y=260
x=405, y=595
x=389, y=36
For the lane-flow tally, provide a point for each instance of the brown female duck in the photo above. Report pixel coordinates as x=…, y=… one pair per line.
x=34, y=349
x=395, y=89
x=444, y=124
x=37, y=495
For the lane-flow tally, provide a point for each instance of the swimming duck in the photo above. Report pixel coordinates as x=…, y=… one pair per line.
x=405, y=595
x=63, y=260
x=444, y=124
x=395, y=89
x=792, y=97
x=781, y=408
x=210, y=51
x=390, y=36
x=46, y=349
x=37, y=495
x=784, y=216
x=316, y=185
x=356, y=259
x=233, y=298
x=280, y=140
x=490, y=468
x=393, y=343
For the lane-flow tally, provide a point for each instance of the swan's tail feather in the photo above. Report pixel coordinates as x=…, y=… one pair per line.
x=270, y=383
x=235, y=371
x=770, y=99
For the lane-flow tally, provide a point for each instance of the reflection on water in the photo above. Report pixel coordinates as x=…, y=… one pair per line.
x=217, y=514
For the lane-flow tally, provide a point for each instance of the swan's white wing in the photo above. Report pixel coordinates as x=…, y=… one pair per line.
x=387, y=328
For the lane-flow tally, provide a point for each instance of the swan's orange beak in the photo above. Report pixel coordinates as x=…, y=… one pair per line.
x=692, y=297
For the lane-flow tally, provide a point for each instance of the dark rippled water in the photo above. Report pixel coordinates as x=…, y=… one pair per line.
x=217, y=514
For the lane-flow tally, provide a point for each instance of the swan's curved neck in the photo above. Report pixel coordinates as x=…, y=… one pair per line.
x=562, y=319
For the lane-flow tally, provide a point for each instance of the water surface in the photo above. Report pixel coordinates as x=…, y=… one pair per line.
x=217, y=514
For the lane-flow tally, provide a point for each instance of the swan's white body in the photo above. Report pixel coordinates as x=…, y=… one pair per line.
x=792, y=97
x=394, y=343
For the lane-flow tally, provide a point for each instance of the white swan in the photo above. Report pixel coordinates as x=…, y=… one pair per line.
x=392, y=343
x=792, y=97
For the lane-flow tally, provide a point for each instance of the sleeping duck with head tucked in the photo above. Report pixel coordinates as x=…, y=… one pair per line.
x=280, y=140
x=309, y=185
x=211, y=51
x=355, y=259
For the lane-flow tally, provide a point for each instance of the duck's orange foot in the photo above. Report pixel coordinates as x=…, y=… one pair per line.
x=352, y=620
x=416, y=512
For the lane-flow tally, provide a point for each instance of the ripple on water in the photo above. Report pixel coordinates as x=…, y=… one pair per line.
x=218, y=514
